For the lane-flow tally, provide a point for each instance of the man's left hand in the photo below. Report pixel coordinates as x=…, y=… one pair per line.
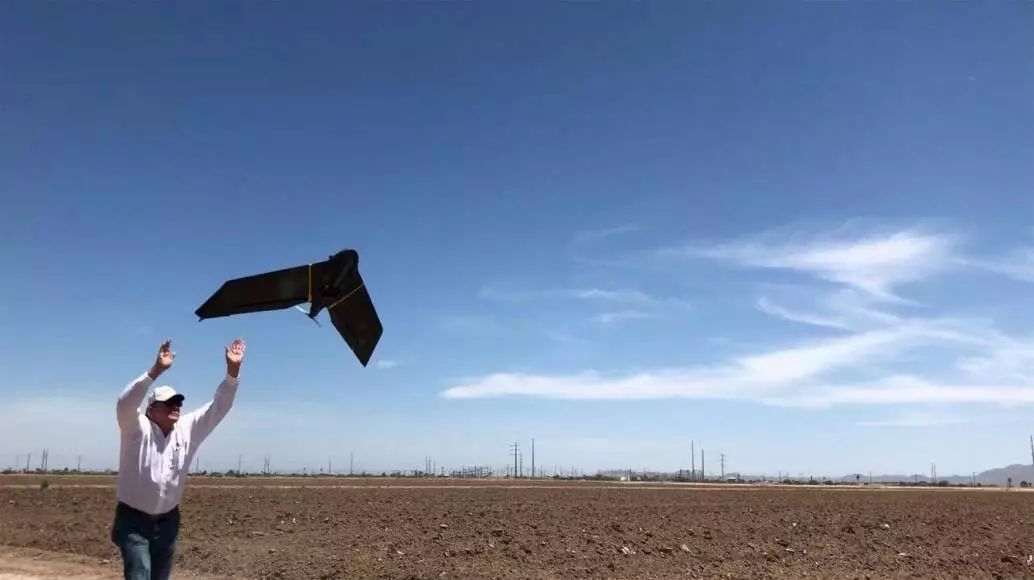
x=234, y=356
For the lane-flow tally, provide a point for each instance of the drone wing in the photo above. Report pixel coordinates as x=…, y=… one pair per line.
x=273, y=290
x=356, y=319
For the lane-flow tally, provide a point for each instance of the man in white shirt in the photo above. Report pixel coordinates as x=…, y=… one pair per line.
x=156, y=449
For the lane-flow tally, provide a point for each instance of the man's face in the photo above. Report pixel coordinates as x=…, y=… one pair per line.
x=167, y=411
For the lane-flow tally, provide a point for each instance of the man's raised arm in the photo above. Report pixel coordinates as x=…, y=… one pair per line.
x=203, y=421
x=129, y=401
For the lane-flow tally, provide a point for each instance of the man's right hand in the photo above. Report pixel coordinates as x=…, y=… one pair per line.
x=164, y=360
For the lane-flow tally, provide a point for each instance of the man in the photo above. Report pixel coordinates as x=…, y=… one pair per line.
x=156, y=449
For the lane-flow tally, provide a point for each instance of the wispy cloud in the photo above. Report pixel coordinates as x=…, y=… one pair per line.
x=640, y=305
x=589, y=294
x=768, y=307
x=874, y=357
x=875, y=264
x=386, y=364
x=621, y=316
x=760, y=376
x=586, y=239
x=591, y=235
x=844, y=309
x=1018, y=264
x=918, y=419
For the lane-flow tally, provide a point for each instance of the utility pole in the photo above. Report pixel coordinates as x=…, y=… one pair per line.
x=722, y=461
x=692, y=461
x=703, y=472
x=533, y=458
x=79, y=463
x=238, y=464
x=515, y=450
x=1032, y=450
x=351, y=459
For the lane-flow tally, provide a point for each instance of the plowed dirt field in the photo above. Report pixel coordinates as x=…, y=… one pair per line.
x=345, y=528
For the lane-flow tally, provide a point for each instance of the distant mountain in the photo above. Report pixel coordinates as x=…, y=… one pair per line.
x=998, y=476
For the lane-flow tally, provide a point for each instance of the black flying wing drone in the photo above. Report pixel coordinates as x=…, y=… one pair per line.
x=334, y=284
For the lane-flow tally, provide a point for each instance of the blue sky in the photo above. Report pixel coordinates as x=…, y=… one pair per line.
x=798, y=234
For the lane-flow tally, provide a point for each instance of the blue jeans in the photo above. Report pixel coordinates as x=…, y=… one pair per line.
x=147, y=543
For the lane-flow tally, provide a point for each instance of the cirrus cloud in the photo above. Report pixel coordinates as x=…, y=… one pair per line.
x=877, y=354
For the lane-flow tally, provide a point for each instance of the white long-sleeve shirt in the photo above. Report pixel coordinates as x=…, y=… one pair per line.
x=153, y=468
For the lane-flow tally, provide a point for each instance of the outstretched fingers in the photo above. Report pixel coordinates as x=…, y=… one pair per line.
x=237, y=346
x=165, y=355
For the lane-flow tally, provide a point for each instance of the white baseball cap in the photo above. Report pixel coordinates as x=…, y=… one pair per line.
x=164, y=393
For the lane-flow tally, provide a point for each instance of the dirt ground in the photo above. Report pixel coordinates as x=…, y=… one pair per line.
x=337, y=528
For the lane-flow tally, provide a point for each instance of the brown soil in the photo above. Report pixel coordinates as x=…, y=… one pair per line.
x=24, y=564
x=404, y=529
